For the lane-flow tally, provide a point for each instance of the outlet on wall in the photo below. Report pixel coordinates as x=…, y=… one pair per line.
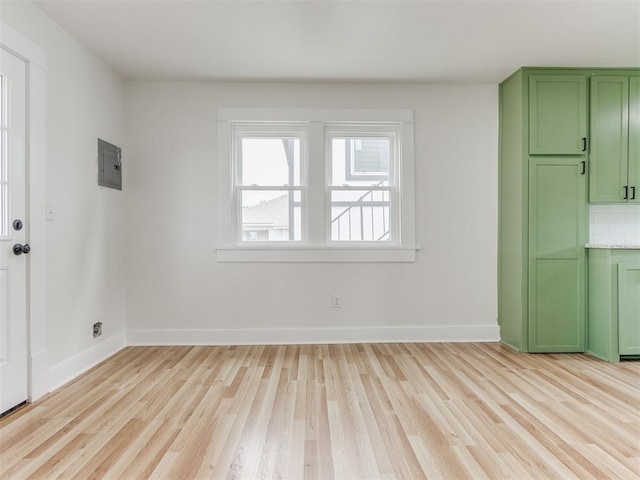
x=336, y=301
x=97, y=329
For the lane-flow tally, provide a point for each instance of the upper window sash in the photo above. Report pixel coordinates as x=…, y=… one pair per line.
x=255, y=133
x=388, y=131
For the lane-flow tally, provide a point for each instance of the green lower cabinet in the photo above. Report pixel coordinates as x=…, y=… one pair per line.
x=557, y=225
x=614, y=303
x=629, y=308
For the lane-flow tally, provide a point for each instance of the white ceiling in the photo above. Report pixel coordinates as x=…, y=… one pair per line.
x=445, y=41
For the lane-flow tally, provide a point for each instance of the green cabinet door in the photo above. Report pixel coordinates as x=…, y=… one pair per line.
x=557, y=114
x=634, y=139
x=629, y=308
x=557, y=282
x=609, y=153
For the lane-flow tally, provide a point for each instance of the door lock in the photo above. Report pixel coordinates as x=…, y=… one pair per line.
x=20, y=249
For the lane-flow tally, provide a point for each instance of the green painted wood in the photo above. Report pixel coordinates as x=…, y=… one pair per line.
x=557, y=114
x=629, y=308
x=557, y=282
x=634, y=136
x=602, y=317
x=609, y=131
x=543, y=117
x=512, y=234
x=604, y=300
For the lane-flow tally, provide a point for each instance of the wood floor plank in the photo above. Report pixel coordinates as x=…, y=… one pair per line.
x=319, y=412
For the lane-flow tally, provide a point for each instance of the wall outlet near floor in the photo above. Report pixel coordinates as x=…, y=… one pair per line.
x=51, y=214
x=336, y=301
x=97, y=329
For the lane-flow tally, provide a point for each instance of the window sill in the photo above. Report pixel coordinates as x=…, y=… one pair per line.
x=317, y=254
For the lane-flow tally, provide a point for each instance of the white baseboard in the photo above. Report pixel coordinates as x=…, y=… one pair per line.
x=69, y=369
x=39, y=380
x=279, y=336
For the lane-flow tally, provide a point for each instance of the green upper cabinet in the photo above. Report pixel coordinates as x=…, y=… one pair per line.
x=634, y=138
x=557, y=114
x=614, y=156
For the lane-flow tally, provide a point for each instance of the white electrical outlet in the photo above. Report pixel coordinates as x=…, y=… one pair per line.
x=51, y=214
x=336, y=301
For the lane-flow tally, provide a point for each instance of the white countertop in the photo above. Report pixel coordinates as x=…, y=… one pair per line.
x=612, y=246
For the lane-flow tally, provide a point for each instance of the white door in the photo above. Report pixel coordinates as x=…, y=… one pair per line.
x=13, y=233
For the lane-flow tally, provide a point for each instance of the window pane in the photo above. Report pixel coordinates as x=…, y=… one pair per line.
x=4, y=170
x=3, y=93
x=269, y=161
x=360, y=161
x=360, y=215
x=4, y=210
x=271, y=215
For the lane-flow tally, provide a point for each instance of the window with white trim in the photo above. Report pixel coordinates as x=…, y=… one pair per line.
x=362, y=184
x=269, y=184
x=315, y=185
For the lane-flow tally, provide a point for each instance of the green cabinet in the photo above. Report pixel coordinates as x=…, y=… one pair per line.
x=614, y=156
x=634, y=137
x=557, y=222
x=629, y=308
x=557, y=114
x=542, y=210
x=614, y=303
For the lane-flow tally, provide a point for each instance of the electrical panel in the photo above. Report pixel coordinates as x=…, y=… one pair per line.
x=109, y=165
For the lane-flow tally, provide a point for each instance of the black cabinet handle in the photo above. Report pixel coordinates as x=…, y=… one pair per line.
x=633, y=193
x=626, y=193
x=584, y=144
x=584, y=167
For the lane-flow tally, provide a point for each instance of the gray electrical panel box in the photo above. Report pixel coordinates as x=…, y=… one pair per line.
x=109, y=165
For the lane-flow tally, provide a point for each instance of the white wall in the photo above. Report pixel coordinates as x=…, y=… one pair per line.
x=177, y=292
x=85, y=251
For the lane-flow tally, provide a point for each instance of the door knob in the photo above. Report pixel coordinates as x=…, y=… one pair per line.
x=20, y=249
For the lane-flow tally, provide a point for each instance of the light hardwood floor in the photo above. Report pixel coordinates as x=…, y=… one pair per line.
x=373, y=411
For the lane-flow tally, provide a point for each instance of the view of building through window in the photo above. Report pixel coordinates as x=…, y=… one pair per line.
x=269, y=191
x=316, y=180
x=360, y=188
x=270, y=188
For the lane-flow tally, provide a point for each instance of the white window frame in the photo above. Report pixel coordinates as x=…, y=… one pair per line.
x=316, y=244
x=242, y=130
x=389, y=130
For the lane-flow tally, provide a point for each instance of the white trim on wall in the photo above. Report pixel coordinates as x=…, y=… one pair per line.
x=34, y=57
x=286, y=336
x=22, y=46
x=72, y=367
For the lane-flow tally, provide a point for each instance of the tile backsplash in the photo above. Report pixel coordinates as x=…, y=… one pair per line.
x=614, y=224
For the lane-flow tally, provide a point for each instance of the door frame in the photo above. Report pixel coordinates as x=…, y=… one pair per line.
x=35, y=179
